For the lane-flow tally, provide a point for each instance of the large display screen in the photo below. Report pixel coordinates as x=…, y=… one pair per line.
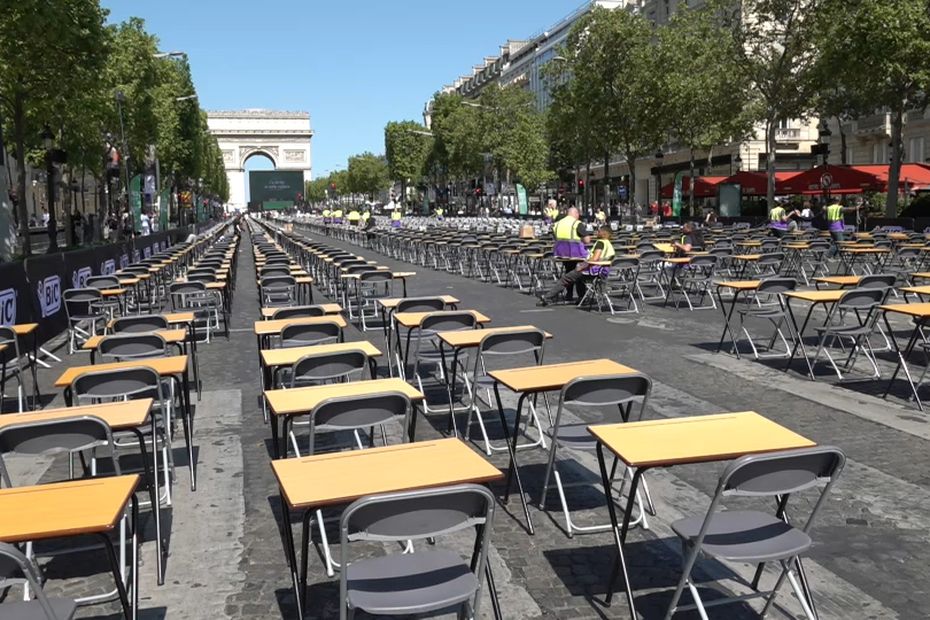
x=275, y=185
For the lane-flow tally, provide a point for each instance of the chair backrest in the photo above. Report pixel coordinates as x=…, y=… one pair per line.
x=776, y=286
x=201, y=276
x=132, y=346
x=878, y=280
x=293, y=312
x=513, y=342
x=14, y=566
x=300, y=334
x=861, y=298
x=376, y=275
x=140, y=323
x=96, y=386
x=80, y=301
x=49, y=437
x=325, y=367
x=278, y=281
x=102, y=282
x=354, y=412
x=604, y=390
x=275, y=270
x=447, y=321
x=420, y=304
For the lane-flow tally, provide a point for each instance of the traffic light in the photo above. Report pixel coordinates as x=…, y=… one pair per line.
x=479, y=190
x=332, y=186
x=580, y=186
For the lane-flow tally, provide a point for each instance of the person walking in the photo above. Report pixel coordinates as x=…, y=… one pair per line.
x=834, y=213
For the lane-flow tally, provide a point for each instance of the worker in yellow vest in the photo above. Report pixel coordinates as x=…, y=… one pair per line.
x=570, y=239
x=354, y=216
x=438, y=213
x=834, y=213
x=327, y=215
x=552, y=210
x=778, y=221
x=396, y=215
x=337, y=215
x=601, y=252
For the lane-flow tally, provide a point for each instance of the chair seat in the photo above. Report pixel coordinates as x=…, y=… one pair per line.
x=63, y=609
x=412, y=583
x=574, y=435
x=845, y=330
x=745, y=536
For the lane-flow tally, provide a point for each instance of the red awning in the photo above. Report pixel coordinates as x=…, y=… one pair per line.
x=915, y=176
x=704, y=187
x=834, y=179
x=755, y=183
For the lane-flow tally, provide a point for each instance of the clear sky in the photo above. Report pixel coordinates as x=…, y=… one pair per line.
x=353, y=64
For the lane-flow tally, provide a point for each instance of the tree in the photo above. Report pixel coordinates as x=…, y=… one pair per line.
x=513, y=134
x=703, y=88
x=457, y=130
x=611, y=57
x=778, y=51
x=315, y=190
x=49, y=50
x=406, y=146
x=878, y=52
x=368, y=174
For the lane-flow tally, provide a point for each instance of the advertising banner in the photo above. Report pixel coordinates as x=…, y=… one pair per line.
x=522, y=204
x=47, y=280
x=15, y=299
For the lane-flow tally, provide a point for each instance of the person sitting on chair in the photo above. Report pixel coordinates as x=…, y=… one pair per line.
x=601, y=252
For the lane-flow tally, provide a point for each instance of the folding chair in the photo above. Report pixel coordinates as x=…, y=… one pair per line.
x=756, y=537
x=696, y=278
x=584, y=392
x=16, y=567
x=767, y=303
x=769, y=264
x=304, y=335
x=428, y=349
x=371, y=286
x=85, y=310
x=78, y=435
x=408, y=304
x=495, y=346
x=11, y=364
x=297, y=312
x=207, y=305
x=139, y=324
x=621, y=281
x=431, y=579
x=863, y=306
x=122, y=347
x=278, y=291
x=650, y=274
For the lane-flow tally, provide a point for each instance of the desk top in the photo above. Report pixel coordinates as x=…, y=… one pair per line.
x=391, y=302
x=868, y=250
x=113, y=292
x=267, y=328
x=464, y=338
x=818, y=297
x=301, y=400
x=121, y=415
x=921, y=274
x=267, y=313
x=695, y=439
x=413, y=319
x=164, y=366
x=290, y=355
x=739, y=285
x=171, y=336
x=921, y=310
x=550, y=377
x=24, y=329
x=339, y=478
x=64, y=508
x=839, y=280
x=747, y=257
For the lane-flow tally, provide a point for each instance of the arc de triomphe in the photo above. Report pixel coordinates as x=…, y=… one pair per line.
x=283, y=137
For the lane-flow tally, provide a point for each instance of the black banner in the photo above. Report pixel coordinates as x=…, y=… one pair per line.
x=79, y=266
x=47, y=280
x=15, y=299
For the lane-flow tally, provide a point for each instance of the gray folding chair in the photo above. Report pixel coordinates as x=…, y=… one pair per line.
x=17, y=568
x=408, y=304
x=428, y=350
x=521, y=344
x=304, y=335
x=84, y=307
x=278, y=291
x=139, y=324
x=371, y=286
x=621, y=282
x=852, y=319
x=431, y=579
x=756, y=537
x=11, y=365
x=206, y=304
x=768, y=303
x=585, y=392
x=297, y=312
x=123, y=347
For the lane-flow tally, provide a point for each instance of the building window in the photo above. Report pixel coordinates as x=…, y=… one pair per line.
x=880, y=153
x=916, y=151
x=849, y=155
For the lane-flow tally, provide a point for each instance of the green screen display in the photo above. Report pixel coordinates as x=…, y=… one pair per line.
x=275, y=185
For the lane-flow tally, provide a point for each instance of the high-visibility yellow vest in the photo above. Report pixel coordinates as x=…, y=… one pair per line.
x=337, y=214
x=326, y=212
x=607, y=252
x=601, y=216
x=552, y=213
x=396, y=214
x=366, y=216
x=834, y=213
x=776, y=214
x=438, y=212
x=353, y=215
x=566, y=229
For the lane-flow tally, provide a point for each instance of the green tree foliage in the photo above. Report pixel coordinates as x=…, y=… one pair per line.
x=877, y=54
x=702, y=83
x=368, y=174
x=457, y=145
x=50, y=51
x=407, y=146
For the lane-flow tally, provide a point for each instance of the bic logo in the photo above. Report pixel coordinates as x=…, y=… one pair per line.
x=135, y=256
x=50, y=295
x=107, y=267
x=79, y=277
x=146, y=252
x=8, y=307
x=123, y=261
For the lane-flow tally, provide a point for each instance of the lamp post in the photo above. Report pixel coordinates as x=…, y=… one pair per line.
x=739, y=162
x=48, y=139
x=120, y=99
x=660, y=156
x=823, y=139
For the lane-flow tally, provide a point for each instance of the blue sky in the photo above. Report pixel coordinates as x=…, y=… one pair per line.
x=354, y=65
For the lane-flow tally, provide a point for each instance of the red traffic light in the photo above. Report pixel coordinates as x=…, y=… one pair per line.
x=580, y=185
x=332, y=186
x=479, y=191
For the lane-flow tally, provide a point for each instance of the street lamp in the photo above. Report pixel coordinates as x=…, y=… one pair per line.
x=660, y=156
x=186, y=98
x=739, y=162
x=120, y=99
x=823, y=137
x=170, y=55
x=48, y=141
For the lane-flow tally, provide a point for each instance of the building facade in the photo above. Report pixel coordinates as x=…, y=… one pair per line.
x=868, y=139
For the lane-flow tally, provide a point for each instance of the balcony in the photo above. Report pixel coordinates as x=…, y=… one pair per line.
x=788, y=134
x=874, y=125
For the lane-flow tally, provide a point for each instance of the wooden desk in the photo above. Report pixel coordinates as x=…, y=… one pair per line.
x=813, y=298
x=391, y=302
x=412, y=320
x=273, y=328
x=674, y=441
x=340, y=478
x=119, y=416
x=268, y=313
x=171, y=336
x=76, y=508
x=467, y=338
x=273, y=360
x=739, y=287
x=841, y=281
x=920, y=313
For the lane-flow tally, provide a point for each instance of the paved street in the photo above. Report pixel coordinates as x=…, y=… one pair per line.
x=870, y=559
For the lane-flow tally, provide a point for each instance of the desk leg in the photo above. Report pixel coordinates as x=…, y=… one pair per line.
x=799, y=333
x=193, y=347
x=902, y=359
x=513, y=471
x=727, y=316
x=450, y=386
x=619, y=534
x=35, y=376
x=188, y=422
x=153, y=495
x=291, y=554
x=129, y=609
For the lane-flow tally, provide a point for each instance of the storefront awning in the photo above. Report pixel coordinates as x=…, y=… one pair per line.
x=704, y=187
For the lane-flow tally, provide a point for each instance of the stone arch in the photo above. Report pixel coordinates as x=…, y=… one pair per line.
x=247, y=152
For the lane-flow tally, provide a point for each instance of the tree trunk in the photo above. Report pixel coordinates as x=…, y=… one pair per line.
x=66, y=206
x=897, y=130
x=606, y=181
x=691, y=182
x=587, y=182
x=843, y=158
x=631, y=189
x=770, y=162
x=7, y=215
x=19, y=137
